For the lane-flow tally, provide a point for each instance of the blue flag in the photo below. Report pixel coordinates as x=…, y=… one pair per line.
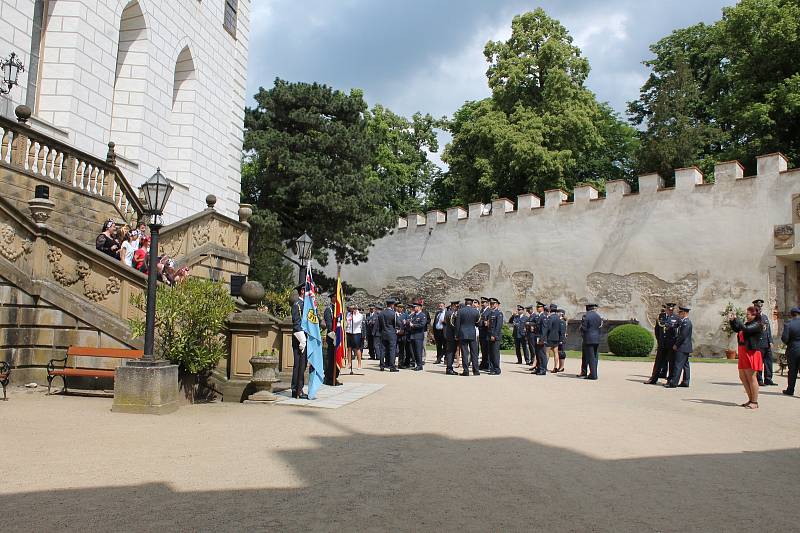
x=310, y=325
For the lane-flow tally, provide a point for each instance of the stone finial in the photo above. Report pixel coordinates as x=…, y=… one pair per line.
x=585, y=193
x=771, y=164
x=455, y=214
x=554, y=198
x=111, y=156
x=526, y=202
x=688, y=178
x=252, y=293
x=23, y=113
x=40, y=210
x=211, y=201
x=728, y=171
x=501, y=206
x=245, y=212
x=649, y=183
x=617, y=189
x=435, y=217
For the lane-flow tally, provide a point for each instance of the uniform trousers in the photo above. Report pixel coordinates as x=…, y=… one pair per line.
x=449, y=353
x=329, y=361
x=766, y=356
x=494, y=356
x=389, y=352
x=377, y=345
x=541, y=356
x=469, y=355
x=531, y=338
x=681, y=366
x=371, y=346
x=660, y=364
x=591, y=357
x=418, y=347
x=521, y=347
x=299, y=368
x=438, y=336
x=483, y=341
x=794, y=363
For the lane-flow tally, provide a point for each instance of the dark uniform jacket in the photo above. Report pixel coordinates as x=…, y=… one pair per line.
x=327, y=317
x=496, y=324
x=590, y=327
x=659, y=328
x=418, y=323
x=297, y=316
x=552, y=328
x=449, y=329
x=791, y=337
x=671, y=323
x=466, y=320
x=483, y=329
x=388, y=322
x=519, y=322
x=752, y=332
x=683, y=339
x=766, y=335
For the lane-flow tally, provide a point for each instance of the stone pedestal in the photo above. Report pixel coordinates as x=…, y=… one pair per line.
x=146, y=387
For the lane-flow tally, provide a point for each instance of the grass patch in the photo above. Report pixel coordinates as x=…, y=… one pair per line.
x=574, y=354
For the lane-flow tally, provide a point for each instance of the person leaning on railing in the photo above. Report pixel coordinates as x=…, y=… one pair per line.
x=105, y=241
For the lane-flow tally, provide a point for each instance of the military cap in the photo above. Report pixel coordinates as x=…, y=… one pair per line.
x=528, y=307
x=685, y=309
x=417, y=303
x=540, y=304
x=553, y=307
x=484, y=299
x=795, y=311
x=494, y=300
x=589, y=307
x=300, y=287
x=371, y=306
x=669, y=306
x=455, y=302
x=520, y=307
x=758, y=302
x=391, y=301
x=400, y=304
x=468, y=300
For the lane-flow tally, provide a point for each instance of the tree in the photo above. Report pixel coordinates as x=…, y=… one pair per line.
x=541, y=128
x=312, y=154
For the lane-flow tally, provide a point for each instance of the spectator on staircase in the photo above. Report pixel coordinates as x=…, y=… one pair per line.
x=129, y=247
x=141, y=255
x=105, y=241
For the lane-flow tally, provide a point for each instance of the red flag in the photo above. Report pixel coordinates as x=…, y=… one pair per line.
x=339, y=324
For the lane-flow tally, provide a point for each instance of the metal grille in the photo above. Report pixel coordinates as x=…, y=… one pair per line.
x=229, y=23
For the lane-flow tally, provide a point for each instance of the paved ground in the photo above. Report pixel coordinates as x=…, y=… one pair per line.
x=330, y=397
x=428, y=452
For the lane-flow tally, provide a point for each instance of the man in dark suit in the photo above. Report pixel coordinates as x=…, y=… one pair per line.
x=375, y=332
x=388, y=324
x=438, y=332
x=530, y=337
x=369, y=324
x=791, y=338
x=591, y=322
x=518, y=323
x=450, y=317
x=683, y=350
x=329, y=359
x=417, y=325
x=665, y=328
x=495, y=336
x=483, y=332
x=299, y=345
x=765, y=345
x=466, y=321
x=539, y=326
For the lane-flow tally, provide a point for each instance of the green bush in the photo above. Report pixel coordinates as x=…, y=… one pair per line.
x=507, y=341
x=190, y=318
x=630, y=340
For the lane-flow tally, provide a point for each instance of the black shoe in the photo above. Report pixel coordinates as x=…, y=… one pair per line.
x=670, y=386
x=465, y=373
x=651, y=381
x=787, y=392
x=770, y=384
x=451, y=373
x=418, y=368
x=590, y=377
x=497, y=372
x=541, y=373
x=338, y=383
x=393, y=370
x=684, y=385
x=382, y=369
x=760, y=383
x=303, y=397
x=438, y=362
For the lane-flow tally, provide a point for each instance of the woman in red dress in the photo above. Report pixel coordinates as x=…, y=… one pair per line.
x=748, y=335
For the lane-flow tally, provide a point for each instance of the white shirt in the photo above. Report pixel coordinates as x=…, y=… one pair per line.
x=354, y=322
x=440, y=321
x=128, y=248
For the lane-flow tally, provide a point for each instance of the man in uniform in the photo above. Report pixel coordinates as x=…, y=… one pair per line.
x=375, y=332
x=683, y=350
x=551, y=332
x=666, y=328
x=495, y=336
x=369, y=325
x=438, y=332
x=791, y=338
x=449, y=332
x=765, y=345
x=483, y=333
x=417, y=325
x=466, y=320
x=299, y=345
x=329, y=358
x=539, y=323
x=387, y=326
x=403, y=349
x=591, y=322
x=519, y=321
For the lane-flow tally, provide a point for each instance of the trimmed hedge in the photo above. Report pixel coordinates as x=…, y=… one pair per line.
x=630, y=340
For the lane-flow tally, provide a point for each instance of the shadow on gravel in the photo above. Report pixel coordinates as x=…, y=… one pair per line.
x=424, y=482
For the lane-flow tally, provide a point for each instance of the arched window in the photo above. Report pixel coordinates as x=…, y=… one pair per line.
x=180, y=132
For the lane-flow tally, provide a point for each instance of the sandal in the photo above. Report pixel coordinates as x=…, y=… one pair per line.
x=745, y=404
x=752, y=405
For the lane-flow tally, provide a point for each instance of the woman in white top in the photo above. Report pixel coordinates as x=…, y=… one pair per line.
x=354, y=329
x=130, y=245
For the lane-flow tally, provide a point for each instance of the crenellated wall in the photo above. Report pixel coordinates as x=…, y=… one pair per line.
x=701, y=244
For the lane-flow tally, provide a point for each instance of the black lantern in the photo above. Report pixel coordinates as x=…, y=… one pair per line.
x=155, y=193
x=11, y=68
x=303, y=247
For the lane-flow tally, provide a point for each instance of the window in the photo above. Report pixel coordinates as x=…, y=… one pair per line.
x=230, y=16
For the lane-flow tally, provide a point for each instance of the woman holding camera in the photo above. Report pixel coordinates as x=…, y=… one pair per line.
x=750, y=362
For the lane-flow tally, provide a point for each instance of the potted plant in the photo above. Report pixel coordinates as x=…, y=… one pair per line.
x=725, y=326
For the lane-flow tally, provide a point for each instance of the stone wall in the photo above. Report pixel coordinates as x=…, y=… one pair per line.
x=699, y=244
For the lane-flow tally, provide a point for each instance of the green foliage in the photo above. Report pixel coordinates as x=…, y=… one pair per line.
x=507, y=340
x=190, y=318
x=730, y=90
x=630, y=340
x=725, y=325
x=277, y=303
x=541, y=128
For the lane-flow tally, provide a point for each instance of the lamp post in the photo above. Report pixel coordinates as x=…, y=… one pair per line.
x=11, y=68
x=303, y=248
x=155, y=192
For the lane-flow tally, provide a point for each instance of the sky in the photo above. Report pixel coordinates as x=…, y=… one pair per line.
x=427, y=55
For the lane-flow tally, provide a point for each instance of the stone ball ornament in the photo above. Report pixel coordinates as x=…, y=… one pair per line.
x=252, y=292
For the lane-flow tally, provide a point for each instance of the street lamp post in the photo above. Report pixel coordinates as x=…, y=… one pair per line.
x=303, y=249
x=156, y=192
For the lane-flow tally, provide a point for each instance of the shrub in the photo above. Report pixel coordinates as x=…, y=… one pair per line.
x=507, y=341
x=190, y=318
x=630, y=340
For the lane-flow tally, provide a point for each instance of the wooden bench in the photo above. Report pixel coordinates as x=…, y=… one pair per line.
x=83, y=351
x=5, y=372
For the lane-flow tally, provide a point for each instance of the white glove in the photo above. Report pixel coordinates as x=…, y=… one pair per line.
x=301, y=338
x=332, y=335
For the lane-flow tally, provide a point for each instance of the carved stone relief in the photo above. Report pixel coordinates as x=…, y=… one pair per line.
x=81, y=272
x=13, y=247
x=173, y=246
x=201, y=234
x=783, y=236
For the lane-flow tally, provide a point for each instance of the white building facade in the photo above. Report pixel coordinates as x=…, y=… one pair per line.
x=162, y=79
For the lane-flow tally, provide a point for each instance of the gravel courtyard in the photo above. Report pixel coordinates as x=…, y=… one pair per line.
x=428, y=452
